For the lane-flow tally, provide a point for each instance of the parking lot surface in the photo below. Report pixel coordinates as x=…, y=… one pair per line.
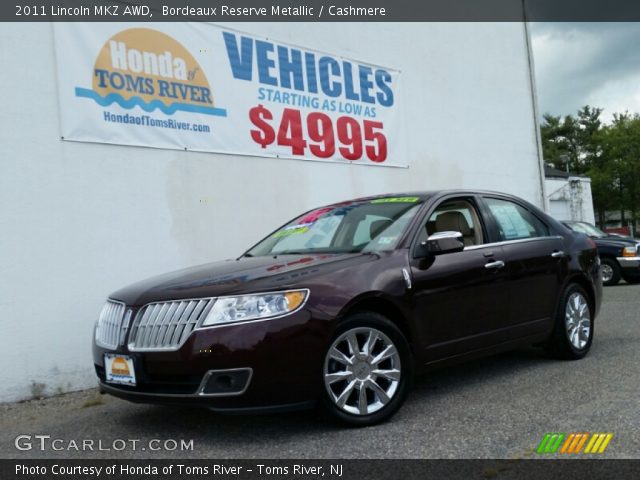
x=499, y=407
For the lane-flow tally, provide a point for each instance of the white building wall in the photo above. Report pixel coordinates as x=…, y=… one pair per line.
x=80, y=220
x=570, y=199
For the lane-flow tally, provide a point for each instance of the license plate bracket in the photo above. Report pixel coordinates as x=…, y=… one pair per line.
x=119, y=369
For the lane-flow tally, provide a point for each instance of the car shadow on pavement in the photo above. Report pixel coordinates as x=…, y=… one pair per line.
x=210, y=428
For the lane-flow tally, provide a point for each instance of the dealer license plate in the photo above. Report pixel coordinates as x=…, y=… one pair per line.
x=119, y=369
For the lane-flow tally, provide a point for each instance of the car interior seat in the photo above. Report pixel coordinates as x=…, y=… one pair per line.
x=455, y=222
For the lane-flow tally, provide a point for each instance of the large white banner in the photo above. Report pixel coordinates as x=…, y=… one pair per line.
x=206, y=88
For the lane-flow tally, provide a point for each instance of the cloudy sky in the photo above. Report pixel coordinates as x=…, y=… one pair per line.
x=587, y=63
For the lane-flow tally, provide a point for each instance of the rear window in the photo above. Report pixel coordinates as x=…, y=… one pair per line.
x=514, y=221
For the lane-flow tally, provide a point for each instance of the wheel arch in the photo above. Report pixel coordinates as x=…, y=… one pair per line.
x=588, y=288
x=378, y=303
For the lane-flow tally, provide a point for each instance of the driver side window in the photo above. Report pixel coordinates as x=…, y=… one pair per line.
x=457, y=215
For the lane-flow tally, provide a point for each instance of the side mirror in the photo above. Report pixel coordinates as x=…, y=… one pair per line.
x=444, y=242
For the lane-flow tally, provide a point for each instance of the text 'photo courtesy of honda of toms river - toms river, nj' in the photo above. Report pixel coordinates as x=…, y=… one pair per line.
x=344, y=304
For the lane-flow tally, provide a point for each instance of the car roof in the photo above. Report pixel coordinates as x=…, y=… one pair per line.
x=425, y=194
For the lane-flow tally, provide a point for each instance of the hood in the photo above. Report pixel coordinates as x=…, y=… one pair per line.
x=616, y=241
x=243, y=275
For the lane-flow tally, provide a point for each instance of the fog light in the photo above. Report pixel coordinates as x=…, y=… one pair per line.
x=226, y=382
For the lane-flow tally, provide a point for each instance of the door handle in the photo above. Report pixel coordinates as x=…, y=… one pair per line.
x=496, y=265
x=558, y=254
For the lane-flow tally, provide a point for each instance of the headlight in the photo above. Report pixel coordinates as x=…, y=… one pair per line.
x=254, y=307
x=629, y=252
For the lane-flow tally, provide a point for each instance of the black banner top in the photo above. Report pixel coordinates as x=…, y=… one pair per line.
x=320, y=10
x=316, y=469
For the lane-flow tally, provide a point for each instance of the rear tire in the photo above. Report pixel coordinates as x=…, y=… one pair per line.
x=573, y=331
x=610, y=272
x=367, y=370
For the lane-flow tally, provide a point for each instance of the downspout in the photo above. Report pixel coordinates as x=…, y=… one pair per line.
x=534, y=109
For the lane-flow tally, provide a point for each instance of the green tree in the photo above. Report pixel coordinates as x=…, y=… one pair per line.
x=621, y=149
x=608, y=153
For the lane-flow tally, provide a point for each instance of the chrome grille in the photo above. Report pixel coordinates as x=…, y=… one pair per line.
x=111, y=329
x=167, y=325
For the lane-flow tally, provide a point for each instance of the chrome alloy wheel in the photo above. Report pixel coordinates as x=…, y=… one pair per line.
x=607, y=272
x=362, y=371
x=578, y=320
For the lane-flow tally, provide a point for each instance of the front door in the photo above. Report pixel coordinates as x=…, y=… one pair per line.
x=461, y=298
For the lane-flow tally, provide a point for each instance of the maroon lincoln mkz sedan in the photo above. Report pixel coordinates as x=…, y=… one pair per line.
x=347, y=302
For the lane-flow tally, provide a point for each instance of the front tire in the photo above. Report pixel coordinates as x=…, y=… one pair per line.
x=367, y=370
x=573, y=331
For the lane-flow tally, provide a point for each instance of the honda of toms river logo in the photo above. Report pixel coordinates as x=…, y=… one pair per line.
x=149, y=69
x=574, y=443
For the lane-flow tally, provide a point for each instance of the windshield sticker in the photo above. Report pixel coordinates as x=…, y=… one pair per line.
x=396, y=200
x=315, y=215
x=292, y=230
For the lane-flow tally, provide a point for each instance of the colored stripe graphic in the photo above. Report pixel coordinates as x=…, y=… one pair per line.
x=550, y=443
x=598, y=443
x=574, y=442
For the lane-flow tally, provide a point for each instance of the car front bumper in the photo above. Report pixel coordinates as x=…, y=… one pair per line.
x=278, y=363
x=630, y=265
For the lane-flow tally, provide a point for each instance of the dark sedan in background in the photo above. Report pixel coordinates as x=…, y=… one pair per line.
x=620, y=256
x=346, y=302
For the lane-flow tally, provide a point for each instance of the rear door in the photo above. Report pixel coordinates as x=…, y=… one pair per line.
x=535, y=263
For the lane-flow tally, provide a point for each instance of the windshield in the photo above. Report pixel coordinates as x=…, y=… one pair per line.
x=358, y=226
x=587, y=228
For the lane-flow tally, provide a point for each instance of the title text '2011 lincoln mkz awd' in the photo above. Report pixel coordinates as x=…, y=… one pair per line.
x=347, y=302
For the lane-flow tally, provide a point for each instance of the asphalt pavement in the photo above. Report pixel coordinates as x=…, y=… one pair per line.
x=498, y=407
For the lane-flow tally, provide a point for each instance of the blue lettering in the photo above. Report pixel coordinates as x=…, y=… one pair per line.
x=102, y=74
x=385, y=95
x=329, y=89
x=289, y=67
x=164, y=89
x=366, y=84
x=241, y=60
x=312, y=82
x=116, y=80
x=348, y=82
x=265, y=63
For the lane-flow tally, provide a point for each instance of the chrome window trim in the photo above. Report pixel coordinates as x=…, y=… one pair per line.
x=510, y=242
